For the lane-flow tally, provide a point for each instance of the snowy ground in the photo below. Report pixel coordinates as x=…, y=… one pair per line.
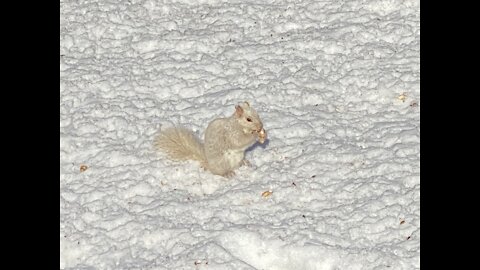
x=337, y=85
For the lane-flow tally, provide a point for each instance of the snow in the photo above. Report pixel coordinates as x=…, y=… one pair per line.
x=337, y=85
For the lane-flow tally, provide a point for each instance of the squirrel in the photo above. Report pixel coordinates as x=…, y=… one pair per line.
x=226, y=140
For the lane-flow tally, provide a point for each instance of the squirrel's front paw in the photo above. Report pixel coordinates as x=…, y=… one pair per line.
x=262, y=136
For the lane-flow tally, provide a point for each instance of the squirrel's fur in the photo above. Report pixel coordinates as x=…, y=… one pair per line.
x=226, y=140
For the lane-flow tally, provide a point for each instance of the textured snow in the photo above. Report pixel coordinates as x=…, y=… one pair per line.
x=337, y=85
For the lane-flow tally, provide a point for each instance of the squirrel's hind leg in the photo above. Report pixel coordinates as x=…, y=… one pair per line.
x=247, y=163
x=204, y=166
x=229, y=174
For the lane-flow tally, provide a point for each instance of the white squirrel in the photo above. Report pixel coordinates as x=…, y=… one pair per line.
x=226, y=140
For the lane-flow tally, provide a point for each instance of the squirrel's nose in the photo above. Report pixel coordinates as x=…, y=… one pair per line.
x=260, y=128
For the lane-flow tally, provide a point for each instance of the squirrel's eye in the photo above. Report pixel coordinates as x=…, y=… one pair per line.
x=249, y=120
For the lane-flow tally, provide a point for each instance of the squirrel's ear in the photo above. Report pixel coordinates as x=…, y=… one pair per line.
x=248, y=104
x=238, y=110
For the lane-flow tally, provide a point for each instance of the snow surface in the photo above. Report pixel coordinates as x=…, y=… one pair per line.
x=337, y=85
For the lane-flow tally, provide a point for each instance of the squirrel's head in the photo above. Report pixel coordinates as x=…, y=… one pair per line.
x=247, y=117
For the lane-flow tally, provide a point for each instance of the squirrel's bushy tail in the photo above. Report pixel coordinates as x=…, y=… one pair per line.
x=181, y=144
